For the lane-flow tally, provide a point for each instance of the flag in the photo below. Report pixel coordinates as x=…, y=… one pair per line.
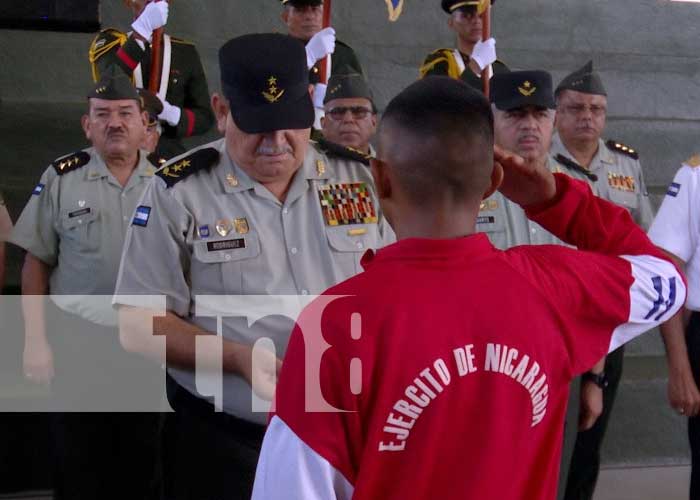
x=394, y=7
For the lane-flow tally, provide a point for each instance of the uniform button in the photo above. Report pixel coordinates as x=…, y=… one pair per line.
x=304, y=292
x=285, y=210
x=123, y=195
x=533, y=230
x=293, y=250
x=80, y=221
x=228, y=257
x=359, y=245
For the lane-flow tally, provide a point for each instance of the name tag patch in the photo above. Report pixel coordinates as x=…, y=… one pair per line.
x=78, y=213
x=141, y=216
x=485, y=219
x=215, y=246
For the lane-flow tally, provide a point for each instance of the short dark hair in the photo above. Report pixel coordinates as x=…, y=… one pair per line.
x=438, y=133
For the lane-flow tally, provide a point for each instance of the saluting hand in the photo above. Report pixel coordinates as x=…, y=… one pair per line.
x=524, y=183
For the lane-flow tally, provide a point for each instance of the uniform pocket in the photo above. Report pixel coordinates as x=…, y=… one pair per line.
x=350, y=242
x=224, y=260
x=80, y=229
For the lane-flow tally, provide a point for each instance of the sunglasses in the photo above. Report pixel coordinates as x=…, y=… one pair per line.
x=358, y=112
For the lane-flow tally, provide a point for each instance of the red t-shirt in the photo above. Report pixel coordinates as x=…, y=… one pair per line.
x=452, y=360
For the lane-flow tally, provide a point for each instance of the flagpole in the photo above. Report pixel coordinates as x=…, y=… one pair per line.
x=323, y=65
x=486, y=34
x=156, y=60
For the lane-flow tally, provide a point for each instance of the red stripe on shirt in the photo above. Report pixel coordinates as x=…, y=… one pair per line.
x=126, y=59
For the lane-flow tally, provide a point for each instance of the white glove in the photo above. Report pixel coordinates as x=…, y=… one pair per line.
x=154, y=16
x=319, y=94
x=320, y=45
x=484, y=53
x=170, y=114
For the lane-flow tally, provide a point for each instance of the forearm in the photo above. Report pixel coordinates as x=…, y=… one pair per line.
x=35, y=287
x=673, y=335
x=173, y=339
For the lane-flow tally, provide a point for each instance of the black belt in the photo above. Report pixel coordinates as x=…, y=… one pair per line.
x=182, y=400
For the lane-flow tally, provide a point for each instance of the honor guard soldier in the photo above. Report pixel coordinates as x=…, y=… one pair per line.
x=581, y=114
x=183, y=85
x=259, y=212
x=73, y=230
x=676, y=229
x=350, y=115
x=472, y=55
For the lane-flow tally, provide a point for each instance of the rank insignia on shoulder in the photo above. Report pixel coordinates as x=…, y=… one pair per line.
x=673, y=189
x=344, y=204
x=156, y=160
x=622, y=149
x=38, y=189
x=71, y=162
x=143, y=213
x=693, y=161
x=175, y=171
x=333, y=149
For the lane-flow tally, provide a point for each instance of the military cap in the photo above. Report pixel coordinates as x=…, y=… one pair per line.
x=266, y=81
x=301, y=3
x=583, y=80
x=450, y=6
x=151, y=105
x=114, y=85
x=348, y=86
x=517, y=89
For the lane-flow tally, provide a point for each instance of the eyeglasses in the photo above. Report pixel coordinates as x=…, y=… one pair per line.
x=579, y=109
x=358, y=112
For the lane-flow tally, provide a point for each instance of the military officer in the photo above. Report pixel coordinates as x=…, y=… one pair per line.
x=472, y=55
x=581, y=114
x=72, y=229
x=183, y=85
x=258, y=212
x=350, y=115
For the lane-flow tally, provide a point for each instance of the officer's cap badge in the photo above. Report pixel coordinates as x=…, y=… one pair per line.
x=527, y=89
x=273, y=93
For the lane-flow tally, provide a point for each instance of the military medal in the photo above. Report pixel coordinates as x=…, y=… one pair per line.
x=223, y=227
x=343, y=204
x=241, y=225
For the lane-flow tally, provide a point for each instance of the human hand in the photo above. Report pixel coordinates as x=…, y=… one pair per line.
x=524, y=182
x=320, y=45
x=154, y=16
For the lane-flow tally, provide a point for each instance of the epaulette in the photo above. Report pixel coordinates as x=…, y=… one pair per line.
x=181, y=40
x=71, y=162
x=572, y=165
x=622, y=149
x=174, y=172
x=156, y=160
x=338, y=150
x=104, y=41
x=693, y=161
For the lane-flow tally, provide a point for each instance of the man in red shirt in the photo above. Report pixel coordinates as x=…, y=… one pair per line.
x=442, y=371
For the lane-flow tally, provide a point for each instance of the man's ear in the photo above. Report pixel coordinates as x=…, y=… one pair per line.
x=221, y=110
x=382, y=182
x=450, y=22
x=285, y=16
x=323, y=120
x=496, y=180
x=85, y=123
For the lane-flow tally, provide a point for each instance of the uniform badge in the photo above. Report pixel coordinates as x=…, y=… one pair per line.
x=273, y=93
x=357, y=232
x=232, y=180
x=621, y=182
x=141, y=216
x=527, y=89
x=488, y=205
x=320, y=167
x=81, y=203
x=79, y=213
x=241, y=225
x=223, y=227
x=203, y=231
x=344, y=204
x=38, y=189
x=673, y=189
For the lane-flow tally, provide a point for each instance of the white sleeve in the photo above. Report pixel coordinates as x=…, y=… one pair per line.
x=673, y=228
x=288, y=469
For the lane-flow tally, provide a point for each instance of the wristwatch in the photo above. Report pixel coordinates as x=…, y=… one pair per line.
x=599, y=379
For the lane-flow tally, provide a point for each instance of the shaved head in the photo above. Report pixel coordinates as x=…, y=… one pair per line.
x=437, y=139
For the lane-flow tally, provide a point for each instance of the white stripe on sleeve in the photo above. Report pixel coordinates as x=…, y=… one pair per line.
x=288, y=469
x=657, y=293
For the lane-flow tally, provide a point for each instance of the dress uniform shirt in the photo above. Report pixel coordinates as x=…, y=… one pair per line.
x=219, y=232
x=76, y=223
x=620, y=180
